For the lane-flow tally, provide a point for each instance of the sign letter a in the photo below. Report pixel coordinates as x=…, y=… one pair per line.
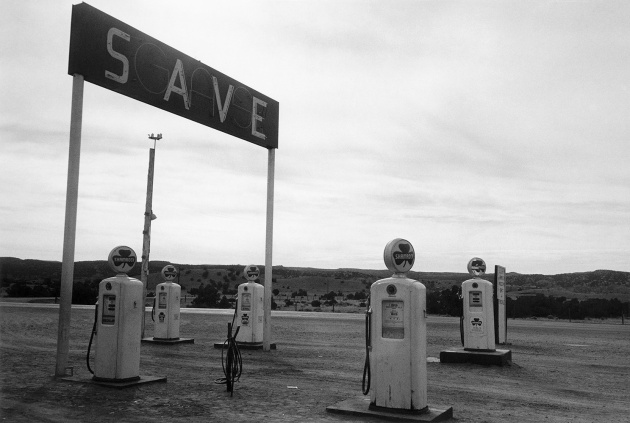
x=181, y=90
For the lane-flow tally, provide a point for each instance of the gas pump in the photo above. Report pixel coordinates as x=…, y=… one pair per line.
x=249, y=308
x=396, y=336
x=118, y=326
x=478, y=312
x=477, y=323
x=166, y=306
x=396, y=346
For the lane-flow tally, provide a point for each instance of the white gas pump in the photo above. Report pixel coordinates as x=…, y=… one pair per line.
x=396, y=337
x=119, y=321
x=478, y=312
x=166, y=306
x=249, y=308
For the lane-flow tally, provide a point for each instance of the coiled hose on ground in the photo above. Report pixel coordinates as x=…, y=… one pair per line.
x=231, y=359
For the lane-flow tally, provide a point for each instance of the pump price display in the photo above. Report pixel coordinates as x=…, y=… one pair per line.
x=393, y=320
x=162, y=300
x=475, y=299
x=246, y=302
x=109, y=310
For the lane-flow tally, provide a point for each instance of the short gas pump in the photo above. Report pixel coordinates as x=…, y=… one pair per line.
x=119, y=321
x=397, y=334
x=477, y=323
x=166, y=314
x=166, y=309
x=478, y=312
x=247, y=322
x=249, y=308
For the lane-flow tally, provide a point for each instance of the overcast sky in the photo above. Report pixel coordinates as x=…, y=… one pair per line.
x=495, y=129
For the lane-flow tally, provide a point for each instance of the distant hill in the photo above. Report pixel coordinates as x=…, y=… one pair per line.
x=605, y=284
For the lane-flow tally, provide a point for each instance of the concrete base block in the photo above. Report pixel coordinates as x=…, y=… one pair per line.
x=493, y=358
x=118, y=385
x=168, y=341
x=361, y=407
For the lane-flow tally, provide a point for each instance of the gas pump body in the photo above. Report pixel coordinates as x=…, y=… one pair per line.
x=478, y=311
x=249, y=312
x=167, y=308
x=398, y=335
x=119, y=322
x=167, y=296
x=399, y=349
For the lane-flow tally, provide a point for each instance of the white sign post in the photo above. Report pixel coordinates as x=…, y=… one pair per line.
x=500, y=318
x=268, y=252
x=70, y=228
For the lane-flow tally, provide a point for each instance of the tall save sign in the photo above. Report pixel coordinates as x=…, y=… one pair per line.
x=116, y=56
x=111, y=54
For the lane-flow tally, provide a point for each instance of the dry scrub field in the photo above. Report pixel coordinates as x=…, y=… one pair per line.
x=561, y=372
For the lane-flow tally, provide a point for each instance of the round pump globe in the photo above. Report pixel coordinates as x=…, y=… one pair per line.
x=169, y=272
x=399, y=255
x=122, y=259
x=251, y=272
x=476, y=267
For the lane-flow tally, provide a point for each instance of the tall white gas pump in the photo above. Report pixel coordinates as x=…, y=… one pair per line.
x=397, y=334
x=119, y=321
x=478, y=311
x=166, y=308
x=396, y=346
x=249, y=308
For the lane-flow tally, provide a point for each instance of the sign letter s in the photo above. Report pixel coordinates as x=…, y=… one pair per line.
x=110, y=49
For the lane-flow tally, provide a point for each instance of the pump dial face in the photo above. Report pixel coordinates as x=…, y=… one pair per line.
x=169, y=272
x=476, y=267
x=399, y=255
x=251, y=272
x=122, y=259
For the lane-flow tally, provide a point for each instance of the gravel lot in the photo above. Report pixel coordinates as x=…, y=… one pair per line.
x=561, y=372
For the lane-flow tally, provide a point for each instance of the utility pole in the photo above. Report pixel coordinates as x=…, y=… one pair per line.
x=146, y=233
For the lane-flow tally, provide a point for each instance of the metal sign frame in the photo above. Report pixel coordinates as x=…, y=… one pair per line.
x=116, y=56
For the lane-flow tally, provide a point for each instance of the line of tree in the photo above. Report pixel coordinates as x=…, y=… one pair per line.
x=449, y=302
x=444, y=302
x=542, y=306
x=208, y=296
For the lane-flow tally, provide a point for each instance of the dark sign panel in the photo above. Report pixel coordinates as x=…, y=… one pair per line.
x=116, y=56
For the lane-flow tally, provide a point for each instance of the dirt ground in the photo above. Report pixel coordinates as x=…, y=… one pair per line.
x=561, y=372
